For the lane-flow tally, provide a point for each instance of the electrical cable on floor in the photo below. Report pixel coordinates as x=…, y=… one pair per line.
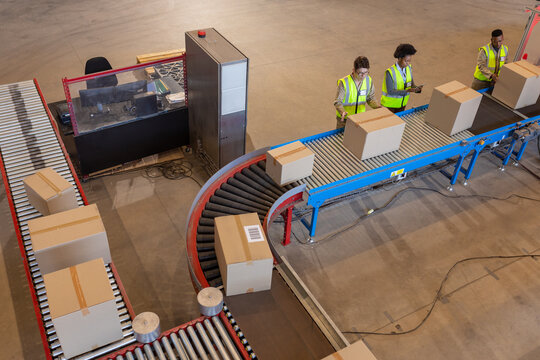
x=398, y=195
x=172, y=170
x=438, y=295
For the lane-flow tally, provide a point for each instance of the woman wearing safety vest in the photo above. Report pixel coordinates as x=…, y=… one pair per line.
x=490, y=60
x=398, y=82
x=354, y=91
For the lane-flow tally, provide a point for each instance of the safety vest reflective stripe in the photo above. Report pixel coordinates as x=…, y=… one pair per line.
x=397, y=101
x=491, y=60
x=353, y=97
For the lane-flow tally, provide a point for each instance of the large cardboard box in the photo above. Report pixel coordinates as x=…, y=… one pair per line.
x=356, y=351
x=83, y=307
x=289, y=163
x=49, y=193
x=373, y=133
x=244, y=257
x=518, y=84
x=453, y=107
x=69, y=238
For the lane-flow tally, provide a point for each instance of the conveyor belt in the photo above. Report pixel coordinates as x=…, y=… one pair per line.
x=28, y=142
x=334, y=162
x=204, y=338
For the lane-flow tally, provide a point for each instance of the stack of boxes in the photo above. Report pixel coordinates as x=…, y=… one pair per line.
x=71, y=248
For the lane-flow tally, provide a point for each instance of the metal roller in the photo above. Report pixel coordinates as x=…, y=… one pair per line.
x=208, y=265
x=256, y=185
x=248, y=188
x=207, y=343
x=245, y=195
x=261, y=172
x=179, y=348
x=148, y=352
x=205, y=230
x=187, y=345
x=263, y=180
x=229, y=203
x=158, y=350
x=197, y=343
x=239, y=199
x=226, y=339
x=205, y=238
x=206, y=221
x=216, y=340
x=223, y=209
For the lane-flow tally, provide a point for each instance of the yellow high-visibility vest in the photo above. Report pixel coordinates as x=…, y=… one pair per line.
x=491, y=60
x=354, y=101
x=397, y=101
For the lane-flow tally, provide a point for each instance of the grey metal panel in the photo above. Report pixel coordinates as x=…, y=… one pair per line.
x=232, y=137
x=217, y=46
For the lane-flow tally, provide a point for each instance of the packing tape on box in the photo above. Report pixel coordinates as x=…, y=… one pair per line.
x=537, y=74
x=357, y=124
x=48, y=182
x=245, y=245
x=289, y=153
x=210, y=301
x=456, y=91
x=75, y=222
x=337, y=356
x=78, y=290
x=146, y=327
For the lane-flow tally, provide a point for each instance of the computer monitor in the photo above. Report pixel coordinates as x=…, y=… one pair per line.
x=125, y=92
x=93, y=97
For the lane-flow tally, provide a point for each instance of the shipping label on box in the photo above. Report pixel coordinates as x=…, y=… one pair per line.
x=373, y=133
x=518, y=84
x=83, y=307
x=244, y=257
x=289, y=163
x=69, y=238
x=49, y=193
x=453, y=107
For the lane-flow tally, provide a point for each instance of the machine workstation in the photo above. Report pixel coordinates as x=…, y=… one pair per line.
x=427, y=251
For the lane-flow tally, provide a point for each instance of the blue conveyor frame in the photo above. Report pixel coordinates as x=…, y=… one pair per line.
x=460, y=150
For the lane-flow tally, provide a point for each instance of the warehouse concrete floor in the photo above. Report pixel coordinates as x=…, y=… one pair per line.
x=297, y=51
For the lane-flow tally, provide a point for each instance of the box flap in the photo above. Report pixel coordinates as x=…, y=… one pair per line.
x=77, y=288
x=237, y=247
x=376, y=119
x=524, y=68
x=65, y=226
x=457, y=91
x=47, y=183
x=290, y=152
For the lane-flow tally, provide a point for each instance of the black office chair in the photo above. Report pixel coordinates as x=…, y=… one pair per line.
x=98, y=64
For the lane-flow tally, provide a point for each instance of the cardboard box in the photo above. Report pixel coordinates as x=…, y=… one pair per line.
x=453, y=107
x=83, y=307
x=356, y=351
x=289, y=163
x=49, y=193
x=518, y=85
x=244, y=257
x=373, y=133
x=69, y=238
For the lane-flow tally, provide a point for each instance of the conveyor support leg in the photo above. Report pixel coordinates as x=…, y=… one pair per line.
x=508, y=153
x=521, y=150
x=468, y=173
x=287, y=216
x=457, y=170
x=313, y=225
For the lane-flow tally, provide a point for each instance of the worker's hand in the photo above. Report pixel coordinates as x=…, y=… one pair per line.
x=412, y=90
x=344, y=116
x=494, y=78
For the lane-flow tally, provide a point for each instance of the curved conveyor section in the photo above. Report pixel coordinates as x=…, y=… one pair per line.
x=240, y=187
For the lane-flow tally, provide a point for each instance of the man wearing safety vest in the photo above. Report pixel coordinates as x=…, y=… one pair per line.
x=354, y=91
x=398, y=82
x=490, y=60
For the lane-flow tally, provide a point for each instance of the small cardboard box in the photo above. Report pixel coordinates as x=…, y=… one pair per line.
x=83, y=307
x=373, y=133
x=518, y=85
x=356, y=351
x=289, y=163
x=244, y=257
x=69, y=238
x=49, y=193
x=453, y=107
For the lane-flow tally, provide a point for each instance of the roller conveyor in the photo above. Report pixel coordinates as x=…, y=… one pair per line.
x=28, y=142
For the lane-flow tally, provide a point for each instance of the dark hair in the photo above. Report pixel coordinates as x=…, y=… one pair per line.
x=496, y=33
x=361, y=62
x=403, y=50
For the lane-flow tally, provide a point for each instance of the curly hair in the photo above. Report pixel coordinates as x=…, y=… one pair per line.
x=403, y=50
x=496, y=33
x=361, y=62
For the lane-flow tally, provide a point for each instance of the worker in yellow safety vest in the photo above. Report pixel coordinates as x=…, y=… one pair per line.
x=354, y=91
x=491, y=58
x=398, y=81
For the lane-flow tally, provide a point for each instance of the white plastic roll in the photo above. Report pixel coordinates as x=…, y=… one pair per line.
x=210, y=301
x=146, y=327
